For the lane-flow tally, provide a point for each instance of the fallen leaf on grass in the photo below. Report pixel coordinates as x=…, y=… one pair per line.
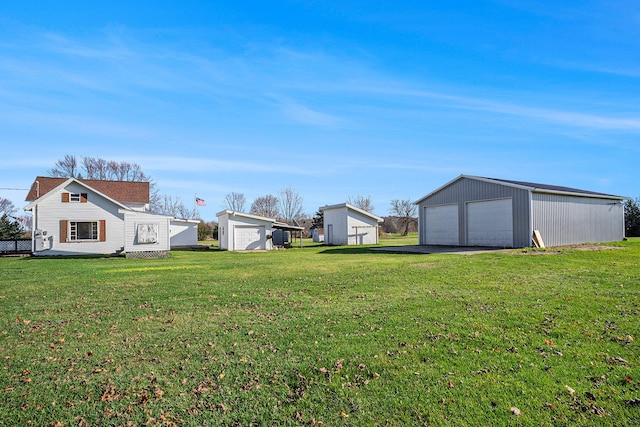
x=516, y=411
x=617, y=359
x=570, y=390
x=110, y=394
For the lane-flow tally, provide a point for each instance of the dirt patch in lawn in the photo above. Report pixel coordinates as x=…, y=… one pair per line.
x=561, y=249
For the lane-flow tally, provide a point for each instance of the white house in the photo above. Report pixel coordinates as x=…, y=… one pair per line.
x=77, y=217
x=345, y=224
x=238, y=231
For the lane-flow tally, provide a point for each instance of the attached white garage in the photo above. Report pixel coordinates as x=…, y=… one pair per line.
x=443, y=224
x=490, y=223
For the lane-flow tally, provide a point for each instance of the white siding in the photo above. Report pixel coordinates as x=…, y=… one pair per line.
x=233, y=234
x=183, y=233
x=133, y=241
x=223, y=232
x=342, y=222
x=361, y=230
x=336, y=220
x=51, y=210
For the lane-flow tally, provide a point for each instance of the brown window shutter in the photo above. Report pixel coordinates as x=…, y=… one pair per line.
x=65, y=197
x=64, y=227
x=83, y=197
x=102, y=232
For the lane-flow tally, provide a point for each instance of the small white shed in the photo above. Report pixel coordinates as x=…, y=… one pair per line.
x=183, y=232
x=345, y=224
x=238, y=231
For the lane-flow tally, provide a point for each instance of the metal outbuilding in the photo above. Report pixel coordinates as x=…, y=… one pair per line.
x=345, y=224
x=239, y=231
x=479, y=211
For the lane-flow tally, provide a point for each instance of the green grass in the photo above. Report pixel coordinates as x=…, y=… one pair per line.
x=331, y=335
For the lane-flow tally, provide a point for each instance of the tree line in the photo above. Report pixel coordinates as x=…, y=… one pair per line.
x=286, y=206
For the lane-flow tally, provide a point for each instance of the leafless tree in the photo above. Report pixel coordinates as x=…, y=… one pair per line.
x=173, y=206
x=101, y=169
x=406, y=211
x=235, y=202
x=168, y=205
x=290, y=205
x=266, y=206
x=185, y=212
x=65, y=167
x=361, y=202
x=6, y=206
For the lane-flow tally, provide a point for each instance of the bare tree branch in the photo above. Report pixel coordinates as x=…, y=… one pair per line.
x=361, y=202
x=266, y=206
x=290, y=205
x=406, y=211
x=235, y=202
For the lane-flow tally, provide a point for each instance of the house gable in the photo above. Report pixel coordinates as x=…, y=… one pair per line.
x=124, y=192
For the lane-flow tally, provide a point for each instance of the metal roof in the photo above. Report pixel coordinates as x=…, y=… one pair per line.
x=529, y=186
x=553, y=188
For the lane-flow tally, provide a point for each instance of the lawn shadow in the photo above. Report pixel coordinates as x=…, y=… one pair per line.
x=366, y=250
x=340, y=250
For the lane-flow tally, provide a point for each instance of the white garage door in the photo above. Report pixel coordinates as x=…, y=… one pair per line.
x=248, y=238
x=490, y=223
x=441, y=225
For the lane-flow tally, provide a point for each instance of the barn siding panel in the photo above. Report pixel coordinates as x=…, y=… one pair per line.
x=466, y=190
x=566, y=220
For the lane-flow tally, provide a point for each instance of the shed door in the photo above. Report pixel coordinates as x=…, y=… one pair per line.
x=490, y=223
x=441, y=225
x=249, y=237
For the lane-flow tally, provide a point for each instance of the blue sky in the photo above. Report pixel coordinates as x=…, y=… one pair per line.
x=335, y=99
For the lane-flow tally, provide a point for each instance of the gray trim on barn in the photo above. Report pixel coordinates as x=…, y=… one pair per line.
x=563, y=215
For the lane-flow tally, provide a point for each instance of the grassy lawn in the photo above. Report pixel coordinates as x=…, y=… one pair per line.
x=323, y=335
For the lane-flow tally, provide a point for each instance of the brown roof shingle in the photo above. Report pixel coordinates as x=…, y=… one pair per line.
x=121, y=191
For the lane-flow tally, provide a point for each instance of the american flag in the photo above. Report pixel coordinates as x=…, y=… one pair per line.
x=200, y=202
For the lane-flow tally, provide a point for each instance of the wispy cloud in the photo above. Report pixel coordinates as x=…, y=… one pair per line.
x=629, y=122
x=205, y=164
x=299, y=113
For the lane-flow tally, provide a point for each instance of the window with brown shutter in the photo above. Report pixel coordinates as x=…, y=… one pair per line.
x=65, y=197
x=83, y=197
x=102, y=235
x=64, y=227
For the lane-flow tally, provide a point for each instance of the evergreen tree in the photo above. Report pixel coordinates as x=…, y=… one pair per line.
x=9, y=230
x=632, y=217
